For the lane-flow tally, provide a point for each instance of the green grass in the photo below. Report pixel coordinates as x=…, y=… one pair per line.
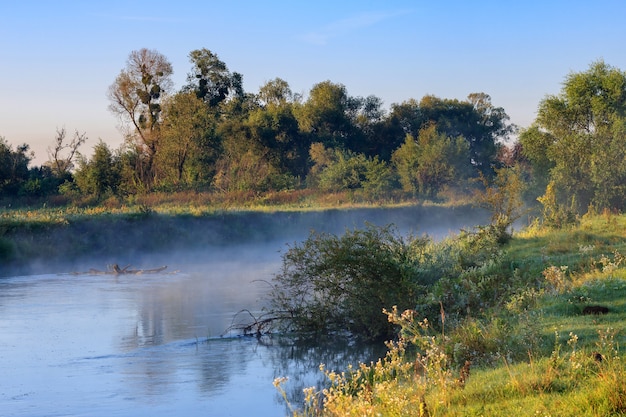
x=558, y=374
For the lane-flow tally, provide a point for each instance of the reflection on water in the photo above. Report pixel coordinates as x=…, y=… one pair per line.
x=94, y=345
x=151, y=344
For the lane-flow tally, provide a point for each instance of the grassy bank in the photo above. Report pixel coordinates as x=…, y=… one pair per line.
x=536, y=353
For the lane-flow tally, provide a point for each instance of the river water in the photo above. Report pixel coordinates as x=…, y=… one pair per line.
x=157, y=344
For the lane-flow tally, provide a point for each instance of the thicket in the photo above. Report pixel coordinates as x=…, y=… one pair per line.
x=332, y=284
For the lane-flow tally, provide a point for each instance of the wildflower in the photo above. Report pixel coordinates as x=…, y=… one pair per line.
x=280, y=380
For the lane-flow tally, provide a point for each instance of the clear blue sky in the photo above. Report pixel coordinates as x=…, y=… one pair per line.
x=58, y=58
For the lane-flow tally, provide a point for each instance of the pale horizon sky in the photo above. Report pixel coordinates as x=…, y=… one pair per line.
x=58, y=58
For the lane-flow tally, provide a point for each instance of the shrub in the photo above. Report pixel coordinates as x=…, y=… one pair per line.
x=335, y=283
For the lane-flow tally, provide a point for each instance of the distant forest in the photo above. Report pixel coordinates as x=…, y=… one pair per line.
x=213, y=136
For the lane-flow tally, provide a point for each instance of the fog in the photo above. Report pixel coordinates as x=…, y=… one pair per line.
x=188, y=242
x=159, y=344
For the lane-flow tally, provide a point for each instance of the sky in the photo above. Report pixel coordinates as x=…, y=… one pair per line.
x=58, y=58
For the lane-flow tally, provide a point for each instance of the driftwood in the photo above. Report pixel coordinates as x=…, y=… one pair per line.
x=116, y=270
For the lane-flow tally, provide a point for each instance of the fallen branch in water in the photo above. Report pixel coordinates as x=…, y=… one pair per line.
x=257, y=326
x=116, y=270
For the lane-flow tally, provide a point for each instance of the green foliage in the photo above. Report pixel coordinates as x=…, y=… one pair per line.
x=534, y=142
x=335, y=170
x=556, y=214
x=503, y=197
x=250, y=170
x=275, y=128
x=406, y=163
x=342, y=283
x=326, y=114
x=189, y=145
x=212, y=134
x=575, y=369
x=100, y=175
x=13, y=167
x=431, y=162
x=210, y=78
x=136, y=97
x=475, y=119
x=585, y=138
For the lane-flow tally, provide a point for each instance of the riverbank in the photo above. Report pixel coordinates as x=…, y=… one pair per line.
x=39, y=241
x=551, y=347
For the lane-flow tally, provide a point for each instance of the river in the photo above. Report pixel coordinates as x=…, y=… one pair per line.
x=158, y=344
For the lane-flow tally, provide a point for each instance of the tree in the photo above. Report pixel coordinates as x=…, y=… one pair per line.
x=406, y=162
x=431, y=162
x=210, y=78
x=482, y=125
x=275, y=127
x=534, y=143
x=13, y=167
x=276, y=92
x=503, y=197
x=373, y=140
x=246, y=166
x=136, y=97
x=493, y=130
x=583, y=132
x=342, y=170
x=326, y=115
x=60, y=164
x=189, y=144
x=100, y=175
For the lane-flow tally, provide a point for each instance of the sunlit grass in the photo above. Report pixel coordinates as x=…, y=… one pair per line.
x=194, y=204
x=199, y=204
x=575, y=367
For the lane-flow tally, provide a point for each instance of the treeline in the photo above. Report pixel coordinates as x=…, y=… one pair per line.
x=212, y=135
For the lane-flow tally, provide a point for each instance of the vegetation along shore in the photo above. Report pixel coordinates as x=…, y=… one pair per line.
x=496, y=320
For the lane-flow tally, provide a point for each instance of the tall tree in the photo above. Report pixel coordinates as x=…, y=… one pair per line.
x=534, y=143
x=369, y=120
x=276, y=92
x=13, y=166
x=431, y=162
x=189, y=145
x=327, y=115
x=210, y=78
x=585, y=126
x=493, y=130
x=274, y=125
x=136, y=97
x=477, y=120
x=404, y=119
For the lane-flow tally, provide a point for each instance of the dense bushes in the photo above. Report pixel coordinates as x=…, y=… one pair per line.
x=331, y=283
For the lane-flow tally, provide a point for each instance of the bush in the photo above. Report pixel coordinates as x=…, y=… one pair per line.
x=342, y=283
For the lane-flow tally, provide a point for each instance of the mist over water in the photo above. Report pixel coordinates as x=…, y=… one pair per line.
x=157, y=344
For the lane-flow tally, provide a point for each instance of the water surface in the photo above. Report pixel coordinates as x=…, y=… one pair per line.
x=157, y=344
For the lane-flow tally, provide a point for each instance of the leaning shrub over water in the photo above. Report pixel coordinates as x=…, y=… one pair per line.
x=342, y=283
